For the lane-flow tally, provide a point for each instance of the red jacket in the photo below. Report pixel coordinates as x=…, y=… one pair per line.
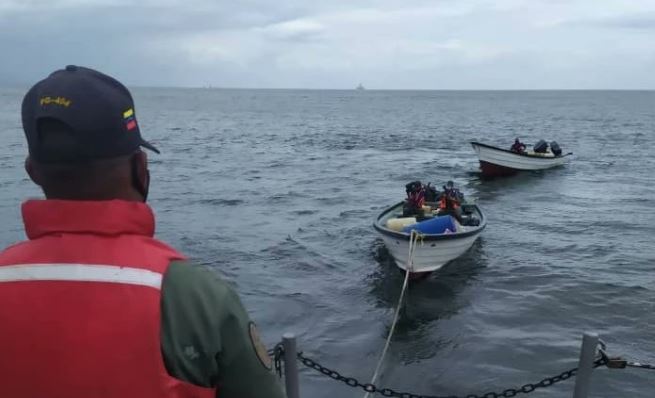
x=448, y=202
x=80, y=304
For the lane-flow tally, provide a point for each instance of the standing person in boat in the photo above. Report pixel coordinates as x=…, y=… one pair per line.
x=92, y=304
x=451, y=201
x=518, y=146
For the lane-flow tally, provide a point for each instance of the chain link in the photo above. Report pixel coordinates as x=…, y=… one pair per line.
x=388, y=392
x=277, y=353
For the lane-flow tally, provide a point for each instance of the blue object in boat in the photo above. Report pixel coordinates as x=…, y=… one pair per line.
x=436, y=225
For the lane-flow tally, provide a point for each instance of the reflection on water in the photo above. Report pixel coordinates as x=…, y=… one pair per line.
x=440, y=295
x=493, y=189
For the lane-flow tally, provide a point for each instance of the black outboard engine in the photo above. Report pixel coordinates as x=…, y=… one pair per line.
x=431, y=193
x=540, y=147
x=470, y=221
x=554, y=146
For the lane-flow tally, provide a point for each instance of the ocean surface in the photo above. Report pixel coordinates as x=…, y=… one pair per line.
x=277, y=190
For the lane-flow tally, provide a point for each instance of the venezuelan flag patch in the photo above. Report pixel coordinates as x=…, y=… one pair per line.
x=129, y=119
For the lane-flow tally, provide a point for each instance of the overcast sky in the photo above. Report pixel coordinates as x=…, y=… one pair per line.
x=413, y=44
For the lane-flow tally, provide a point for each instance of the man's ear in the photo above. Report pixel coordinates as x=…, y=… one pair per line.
x=141, y=168
x=32, y=171
x=140, y=174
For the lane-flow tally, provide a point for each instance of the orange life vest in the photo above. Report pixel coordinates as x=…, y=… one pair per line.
x=80, y=304
x=443, y=203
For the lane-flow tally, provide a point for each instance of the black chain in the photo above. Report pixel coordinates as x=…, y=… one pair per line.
x=388, y=392
x=277, y=353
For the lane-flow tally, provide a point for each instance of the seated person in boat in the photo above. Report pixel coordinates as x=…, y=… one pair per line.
x=415, y=200
x=518, y=146
x=451, y=201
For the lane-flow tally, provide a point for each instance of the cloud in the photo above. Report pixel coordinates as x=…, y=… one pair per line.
x=295, y=43
x=640, y=22
x=294, y=30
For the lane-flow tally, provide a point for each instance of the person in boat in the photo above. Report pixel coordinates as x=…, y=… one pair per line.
x=518, y=146
x=92, y=303
x=450, y=201
x=413, y=206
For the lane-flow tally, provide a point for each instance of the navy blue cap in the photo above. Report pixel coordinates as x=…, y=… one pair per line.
x=96, y=109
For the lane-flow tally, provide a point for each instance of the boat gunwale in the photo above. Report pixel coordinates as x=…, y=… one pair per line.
x=525, y=155
x=429, y=237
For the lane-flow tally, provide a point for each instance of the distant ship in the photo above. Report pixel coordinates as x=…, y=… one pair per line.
x=360, y=87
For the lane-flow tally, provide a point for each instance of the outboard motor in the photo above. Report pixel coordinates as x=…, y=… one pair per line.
x=470, y=221
x=554, y=147
x=431, y=193
x=540, y=147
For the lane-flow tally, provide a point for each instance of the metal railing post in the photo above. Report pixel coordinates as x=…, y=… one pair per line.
x=585, y=365
x=290, y=365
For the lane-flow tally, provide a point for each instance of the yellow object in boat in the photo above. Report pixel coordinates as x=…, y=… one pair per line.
x=397, y=224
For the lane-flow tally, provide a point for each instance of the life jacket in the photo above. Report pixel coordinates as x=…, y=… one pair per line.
x=416, y=200
x=448, y=202
x=518, y=147
x=80, y=304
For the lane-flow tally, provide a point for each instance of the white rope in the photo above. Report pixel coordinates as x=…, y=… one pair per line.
x=413, y=238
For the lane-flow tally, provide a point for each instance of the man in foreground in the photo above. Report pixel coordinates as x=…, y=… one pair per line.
x=93, y=305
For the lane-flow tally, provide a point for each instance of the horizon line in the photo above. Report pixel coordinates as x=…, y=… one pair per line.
x=388, y=89
x=212, y=87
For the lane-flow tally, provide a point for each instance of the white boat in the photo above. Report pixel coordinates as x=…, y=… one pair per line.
x=499, y=162
x=432, y=251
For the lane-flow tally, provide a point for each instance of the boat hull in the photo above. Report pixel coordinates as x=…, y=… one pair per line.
x=494, y=170
x=500, y=162
x=428, y=256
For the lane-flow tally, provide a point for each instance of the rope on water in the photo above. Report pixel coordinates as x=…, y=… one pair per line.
x=413, y=238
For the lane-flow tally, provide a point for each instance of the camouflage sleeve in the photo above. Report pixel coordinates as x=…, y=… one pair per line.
x=208, y=338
